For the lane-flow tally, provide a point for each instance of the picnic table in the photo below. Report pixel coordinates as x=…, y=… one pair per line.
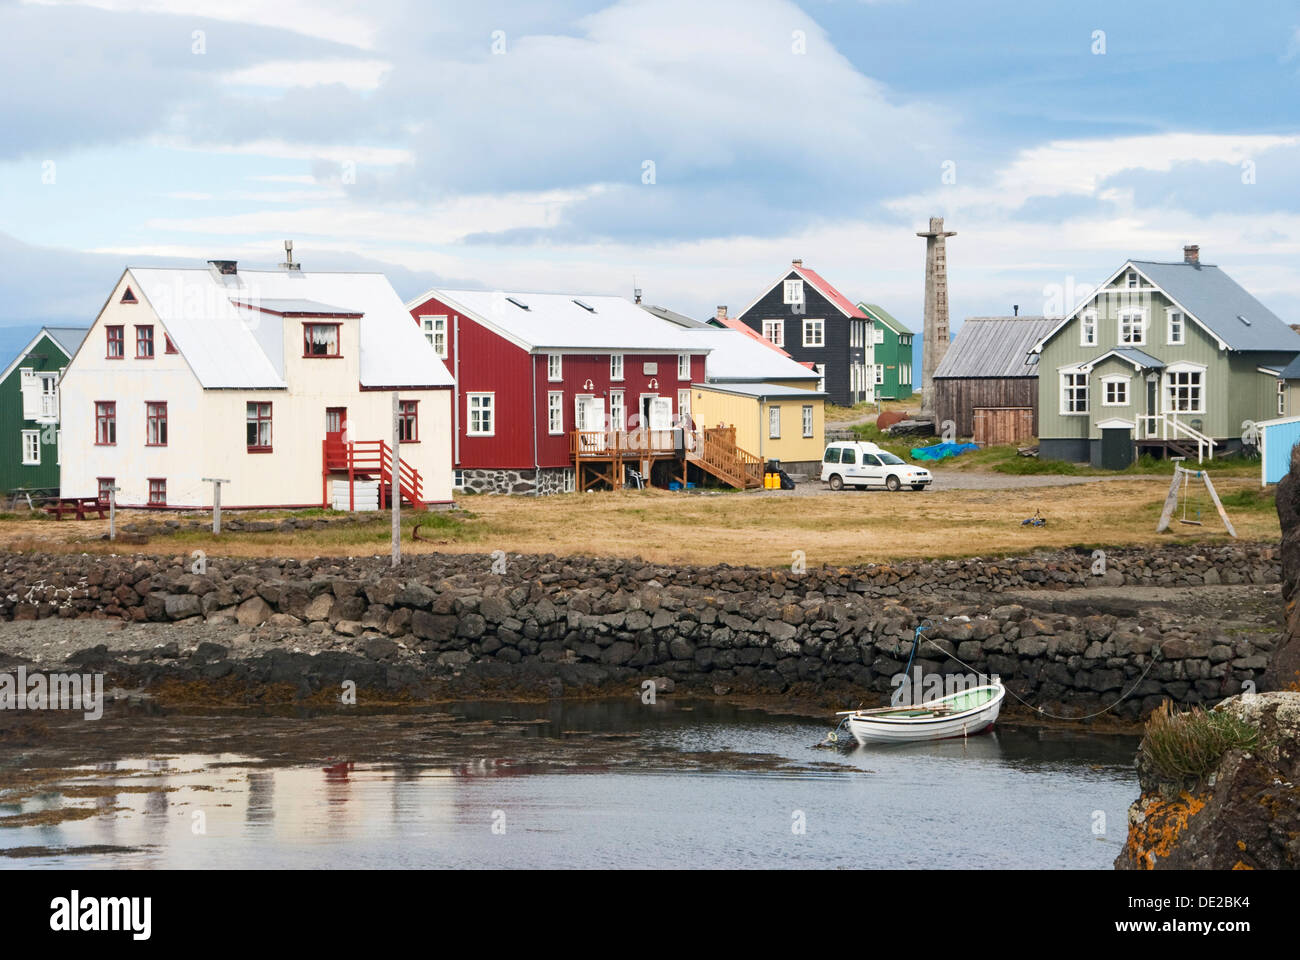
x=80, y=507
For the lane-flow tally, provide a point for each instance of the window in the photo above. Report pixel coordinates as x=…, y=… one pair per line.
x=105, y=423
x=616, y=410
x=320, y=340
x=144, y=343
x=880, y=373
x=807, y=420
x=259, y=427
x=458, y=479
x=435, y=331
x=116, y=342
x=793, y=291
x=1132, y=279
x=774, y=423
x=157, y=492
x=481, y=410
x=1183, y=391
x=1088, y=329
x=1114, y=391
x=1281, y=398
x=683, y=366
x=553, y=368
x=408, y=421
x=155, y=416
x=31, y=448
x=616, y=366
x=49, y=401
x=106, y=486
x=870, y=460
x=814, y=333
x=1074, y=393
x=878, y=335
x=774, y=332
x=849, y=455
x=832, y=455
x=1132, y=327
x=555, y=412
x=683, y=406
x=1177, y=328
x=169, y=346
x=128, y=297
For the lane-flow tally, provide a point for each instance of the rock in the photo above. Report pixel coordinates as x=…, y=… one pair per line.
x=379, y=648
x=349, y=628
x=319, y=607
x=253, y=612
x=181, y=606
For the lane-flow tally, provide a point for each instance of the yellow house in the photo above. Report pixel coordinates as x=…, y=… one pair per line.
x=773, y=402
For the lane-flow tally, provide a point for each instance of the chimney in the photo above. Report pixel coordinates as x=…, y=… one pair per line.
x=288, y=257
x=722, y=312
x=796, y=263
x=224, y=267
x=1192, y=254
x=1015, y=309
x=636, y=294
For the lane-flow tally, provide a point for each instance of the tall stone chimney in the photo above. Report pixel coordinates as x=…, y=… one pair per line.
x=936, y=307
x=1192, y=254
x=796, y=263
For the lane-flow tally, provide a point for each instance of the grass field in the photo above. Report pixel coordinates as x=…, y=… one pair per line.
x=764, y=529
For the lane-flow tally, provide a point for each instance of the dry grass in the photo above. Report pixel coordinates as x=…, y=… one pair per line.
x=765, y=529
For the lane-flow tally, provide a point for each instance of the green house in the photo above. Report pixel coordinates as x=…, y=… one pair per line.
x=893, y=360
x=29, y=411
x=1166, y=358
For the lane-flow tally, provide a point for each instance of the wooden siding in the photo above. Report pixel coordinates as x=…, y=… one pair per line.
x=46, y=356
x=997, y=426
x=956, y=399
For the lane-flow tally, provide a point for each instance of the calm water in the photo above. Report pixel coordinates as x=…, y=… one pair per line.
x=595, y=785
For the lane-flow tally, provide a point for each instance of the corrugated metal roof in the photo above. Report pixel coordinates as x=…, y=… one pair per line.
x=1133, y=355
x=878, y=312
x=763, y=390
x=672, y=316
x=229, y=346
x=302, y=308
x=736, y=357
x=1219, y=302
x=994, y=347
x=735, y=323
x=830, y=293
x=69, y=338
x=557, y=321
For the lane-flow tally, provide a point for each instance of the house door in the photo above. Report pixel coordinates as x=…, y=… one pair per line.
x=336, y=419
x=1153, y=390
x=1116, y=448
x=661, y=413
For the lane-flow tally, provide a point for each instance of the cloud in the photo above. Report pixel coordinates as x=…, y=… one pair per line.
x=353, y=74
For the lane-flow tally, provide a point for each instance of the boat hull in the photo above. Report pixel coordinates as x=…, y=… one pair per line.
x=877, y=729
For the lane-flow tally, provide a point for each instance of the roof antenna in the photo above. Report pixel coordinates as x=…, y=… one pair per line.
x=288, y=257
x=636, y=291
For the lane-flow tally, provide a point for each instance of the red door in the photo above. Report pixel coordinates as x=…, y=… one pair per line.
x=336, y=419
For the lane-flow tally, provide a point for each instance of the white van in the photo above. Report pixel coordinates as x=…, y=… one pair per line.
x=862, y=464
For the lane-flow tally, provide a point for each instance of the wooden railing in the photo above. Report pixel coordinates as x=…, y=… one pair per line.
x=718, y=453
x=603, y=444
x=1163, y=426
x=374, y=458
x=712, y=449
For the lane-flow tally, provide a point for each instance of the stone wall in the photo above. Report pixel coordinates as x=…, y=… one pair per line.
x=545, y=481
x=588, y=623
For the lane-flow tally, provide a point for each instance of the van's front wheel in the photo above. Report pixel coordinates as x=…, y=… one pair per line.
x=891, y=483
x=837, y=482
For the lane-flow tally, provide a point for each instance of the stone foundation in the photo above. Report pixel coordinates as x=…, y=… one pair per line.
x=545, y=481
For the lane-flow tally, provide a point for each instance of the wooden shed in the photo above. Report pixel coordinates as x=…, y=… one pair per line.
x=987, y=384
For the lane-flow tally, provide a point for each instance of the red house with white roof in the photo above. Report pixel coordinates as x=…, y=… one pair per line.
x=544, y=381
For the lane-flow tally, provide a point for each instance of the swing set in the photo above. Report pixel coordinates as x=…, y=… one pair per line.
x=1184, y=477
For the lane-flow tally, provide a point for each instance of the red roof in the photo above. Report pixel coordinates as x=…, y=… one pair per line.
x=830, y=293
x=734, y=324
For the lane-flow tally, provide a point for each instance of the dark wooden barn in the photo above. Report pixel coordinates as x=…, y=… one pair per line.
x=987, y=384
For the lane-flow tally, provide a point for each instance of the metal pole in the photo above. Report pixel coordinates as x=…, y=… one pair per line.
x=397, y=481
x=112, y=512
x=216, y=502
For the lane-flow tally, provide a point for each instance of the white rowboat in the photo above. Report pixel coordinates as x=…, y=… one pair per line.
x=960, y=714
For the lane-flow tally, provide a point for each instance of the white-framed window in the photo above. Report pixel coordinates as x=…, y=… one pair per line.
x=814, y=333
x=1132, y=279
x=1114, y=391
x=683, y=366
x=554, y=370
x=880, y=373
x=1185, y=389
x=1177, y=333
x=31, y=448
x=793, y=291
x=482, y=414
x=569, y=482
x=905, y=376
x=807, y=420
x=1088, y=328
x=435, y=331
x=458, y=479
x=774, y=332
x=1281, y=398
x=1074, y=393
x=616, y=366
x=555, y=412
x=774, y=422
x=683, y=406
x=878, y=335
x=1133, y=326
x=616, y=415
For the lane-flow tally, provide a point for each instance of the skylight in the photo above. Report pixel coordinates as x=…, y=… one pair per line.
x=586, y=306
x=1243, y=320
x=518, y=303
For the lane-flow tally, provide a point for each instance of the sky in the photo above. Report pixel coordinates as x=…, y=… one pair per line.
x=690, y=149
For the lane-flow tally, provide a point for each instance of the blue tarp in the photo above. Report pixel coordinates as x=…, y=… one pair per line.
x=940, y=451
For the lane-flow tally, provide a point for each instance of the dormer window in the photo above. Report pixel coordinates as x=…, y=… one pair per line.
x=320, y=340
x=793, y=291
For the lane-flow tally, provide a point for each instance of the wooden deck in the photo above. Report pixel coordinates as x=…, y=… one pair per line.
x=609, y=456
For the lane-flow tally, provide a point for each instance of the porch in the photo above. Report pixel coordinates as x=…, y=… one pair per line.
x=608, y=456
x=368, y=461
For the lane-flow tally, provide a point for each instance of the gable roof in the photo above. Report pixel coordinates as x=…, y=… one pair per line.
x=230, y=345
x=994, y=347
x=67, y=339
x=740, y=326
x=882, y=315
x=818, y=283
x=672, y=316
x=559, y=321
x=1140, y=359
x=1211, y=299
x=735, y=358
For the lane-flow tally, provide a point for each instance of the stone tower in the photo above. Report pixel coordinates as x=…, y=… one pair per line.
x=936, y=307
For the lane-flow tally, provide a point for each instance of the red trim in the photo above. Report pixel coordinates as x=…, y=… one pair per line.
x=110, y=416
x=415, y=418
x=148, y=415
x=160, y=480
x=269, y=419
x=142, y=341
x=128, y=297
x=338, y=342
x=120, y=340
x=171, y=347
x=403, y=389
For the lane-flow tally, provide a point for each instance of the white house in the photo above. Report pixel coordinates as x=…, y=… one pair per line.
x=279, y=381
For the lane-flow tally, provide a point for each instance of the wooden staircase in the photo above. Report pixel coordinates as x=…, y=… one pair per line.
x=715, y=452
x=371, y=460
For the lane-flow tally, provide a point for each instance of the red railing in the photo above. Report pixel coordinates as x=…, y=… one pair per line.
x=366, y=459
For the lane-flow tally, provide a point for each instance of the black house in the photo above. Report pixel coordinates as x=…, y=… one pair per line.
x=816, y=324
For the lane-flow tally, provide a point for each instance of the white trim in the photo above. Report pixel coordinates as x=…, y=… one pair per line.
x=789, y=285
x=1061, y=393
x=622, y=367
x=807, y=283
x=1084, y=318
x=1089, y=365
x=1126, y=315
x=1115, y=423
x=35, y=434
x=1270, y=373
x=804, y=330
x=1185, y=366
x=469, y=413
x=558, y=375
x=553, y=407
x=1169, y=327
x=1117, y=378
